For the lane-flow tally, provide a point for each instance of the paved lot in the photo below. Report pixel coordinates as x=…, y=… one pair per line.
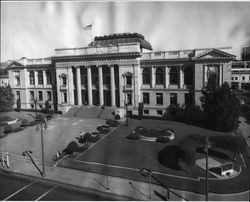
x=22, y=188
x=60, y=132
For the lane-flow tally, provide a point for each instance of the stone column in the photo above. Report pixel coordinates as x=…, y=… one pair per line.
x=181, y=81
x=101, y=100
x=79, y=87
x=36, y=78
x=221, y=74
x=89, y=85
x=152, y=77
x=26, y=81
x=166, y=77
x=205, y=74
x=44, y=78
x=112, y=85
x=70, y=84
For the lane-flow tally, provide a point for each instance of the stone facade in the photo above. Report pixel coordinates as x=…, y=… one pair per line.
x=119, y=74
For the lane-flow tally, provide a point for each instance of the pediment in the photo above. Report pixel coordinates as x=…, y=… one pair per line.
x=214, y=54
x=15, y=64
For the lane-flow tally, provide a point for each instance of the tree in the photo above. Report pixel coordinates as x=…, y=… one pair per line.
x=221, y=107
x=6, y=99
x=18, y=104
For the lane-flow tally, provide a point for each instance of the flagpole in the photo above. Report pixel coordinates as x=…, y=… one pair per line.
x=93, y=33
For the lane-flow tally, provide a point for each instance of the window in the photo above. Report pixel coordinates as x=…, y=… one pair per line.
x=129, y=80
x=243, y=78
x=32, y=78
x=159, y=76
x=32, y=106
x=49, y=95
x=173, y=75
x=31, y=95
x=188, y=76
x=48, y=75
x=129, y=99
x=236, y=78
x=145, y=111
x=159, y=98
x=64, y=80
x=213, y=75
x=40, y=77
x=146, y=98
x=159, y=112
x=232, y=78
x=17, y=78
x=40, y=95
x=64, y=97
x=173, y=98
x=188, y=99
x=41, y=106
x=146, y=76
x=17, y=94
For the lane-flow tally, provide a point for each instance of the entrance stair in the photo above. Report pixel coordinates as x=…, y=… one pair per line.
x=95, y=112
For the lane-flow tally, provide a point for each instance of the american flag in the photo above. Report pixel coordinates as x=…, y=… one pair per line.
x=88, y=27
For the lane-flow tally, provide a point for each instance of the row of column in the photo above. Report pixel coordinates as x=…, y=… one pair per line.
x=100, y=77
x=167, y=77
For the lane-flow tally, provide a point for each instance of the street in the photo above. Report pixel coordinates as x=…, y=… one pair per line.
x=25, y=188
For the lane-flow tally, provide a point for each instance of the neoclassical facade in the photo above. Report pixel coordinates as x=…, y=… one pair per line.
x=118, y=70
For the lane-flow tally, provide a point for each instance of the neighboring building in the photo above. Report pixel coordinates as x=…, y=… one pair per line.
x=4, y=77
x=245, y=53
x=241, y=75
x=118, y=67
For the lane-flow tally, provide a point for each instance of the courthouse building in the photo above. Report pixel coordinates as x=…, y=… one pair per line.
x=119, y=69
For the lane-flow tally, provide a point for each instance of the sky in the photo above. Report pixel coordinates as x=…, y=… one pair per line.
x=35, y=29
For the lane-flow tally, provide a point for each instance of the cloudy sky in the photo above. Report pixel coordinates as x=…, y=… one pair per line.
x=35, y=29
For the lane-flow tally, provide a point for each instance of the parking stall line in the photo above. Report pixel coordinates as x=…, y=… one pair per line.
x=19, y=191
x=40, y=197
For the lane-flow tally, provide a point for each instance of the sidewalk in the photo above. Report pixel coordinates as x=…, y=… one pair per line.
x=132, y=189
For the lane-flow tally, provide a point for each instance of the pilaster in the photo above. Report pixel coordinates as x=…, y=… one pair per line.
x=152, y=77
x=166, y=77
x=70, y=86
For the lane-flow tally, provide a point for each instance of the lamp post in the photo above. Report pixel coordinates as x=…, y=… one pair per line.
x=146, y=172
x=41, y=123
x=35, y=101
x=207, y=146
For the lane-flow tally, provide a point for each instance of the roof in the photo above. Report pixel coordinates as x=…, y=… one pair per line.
x=114, y=39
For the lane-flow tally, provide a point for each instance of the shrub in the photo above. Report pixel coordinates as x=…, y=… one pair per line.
x=2, y=129
x=133, y=135
x=6, y=118
x=25, y=122
x=72, y=147
x=6, y=99
x=117, y=117
x=112, y=123
x=162, y=139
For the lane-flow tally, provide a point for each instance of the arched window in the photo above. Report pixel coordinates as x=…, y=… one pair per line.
x=159, y=74
x=173, y=75
x=146, y=76
x=188, y=76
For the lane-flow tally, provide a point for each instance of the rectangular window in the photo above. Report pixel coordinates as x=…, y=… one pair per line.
x=243, y=78
x=31, y=95
x=188, y=99
x=145, y=111
x=17, y=94
x=32, y=78
x=159, y=98
x=236, y=78
x=232, y=78
x=173, y=98
x=64, y=80
x=146, y=98
x=48, y=75
x=17, y=78
x=129, y=80
x=40, y=77
x=159, y=112
x=40, y=95
x=49, y=95
x=64, y=97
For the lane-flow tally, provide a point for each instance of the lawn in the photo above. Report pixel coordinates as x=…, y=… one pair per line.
x=117, y=150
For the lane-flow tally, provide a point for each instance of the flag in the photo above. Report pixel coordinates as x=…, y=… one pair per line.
x=88, y=27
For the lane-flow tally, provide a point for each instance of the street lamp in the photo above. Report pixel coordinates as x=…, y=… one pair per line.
x=41, y=123
x=35, y=101
x=146, y=172
x=206, y=147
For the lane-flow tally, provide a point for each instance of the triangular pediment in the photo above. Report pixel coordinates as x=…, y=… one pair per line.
x=214, y=54
x=15, y=64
